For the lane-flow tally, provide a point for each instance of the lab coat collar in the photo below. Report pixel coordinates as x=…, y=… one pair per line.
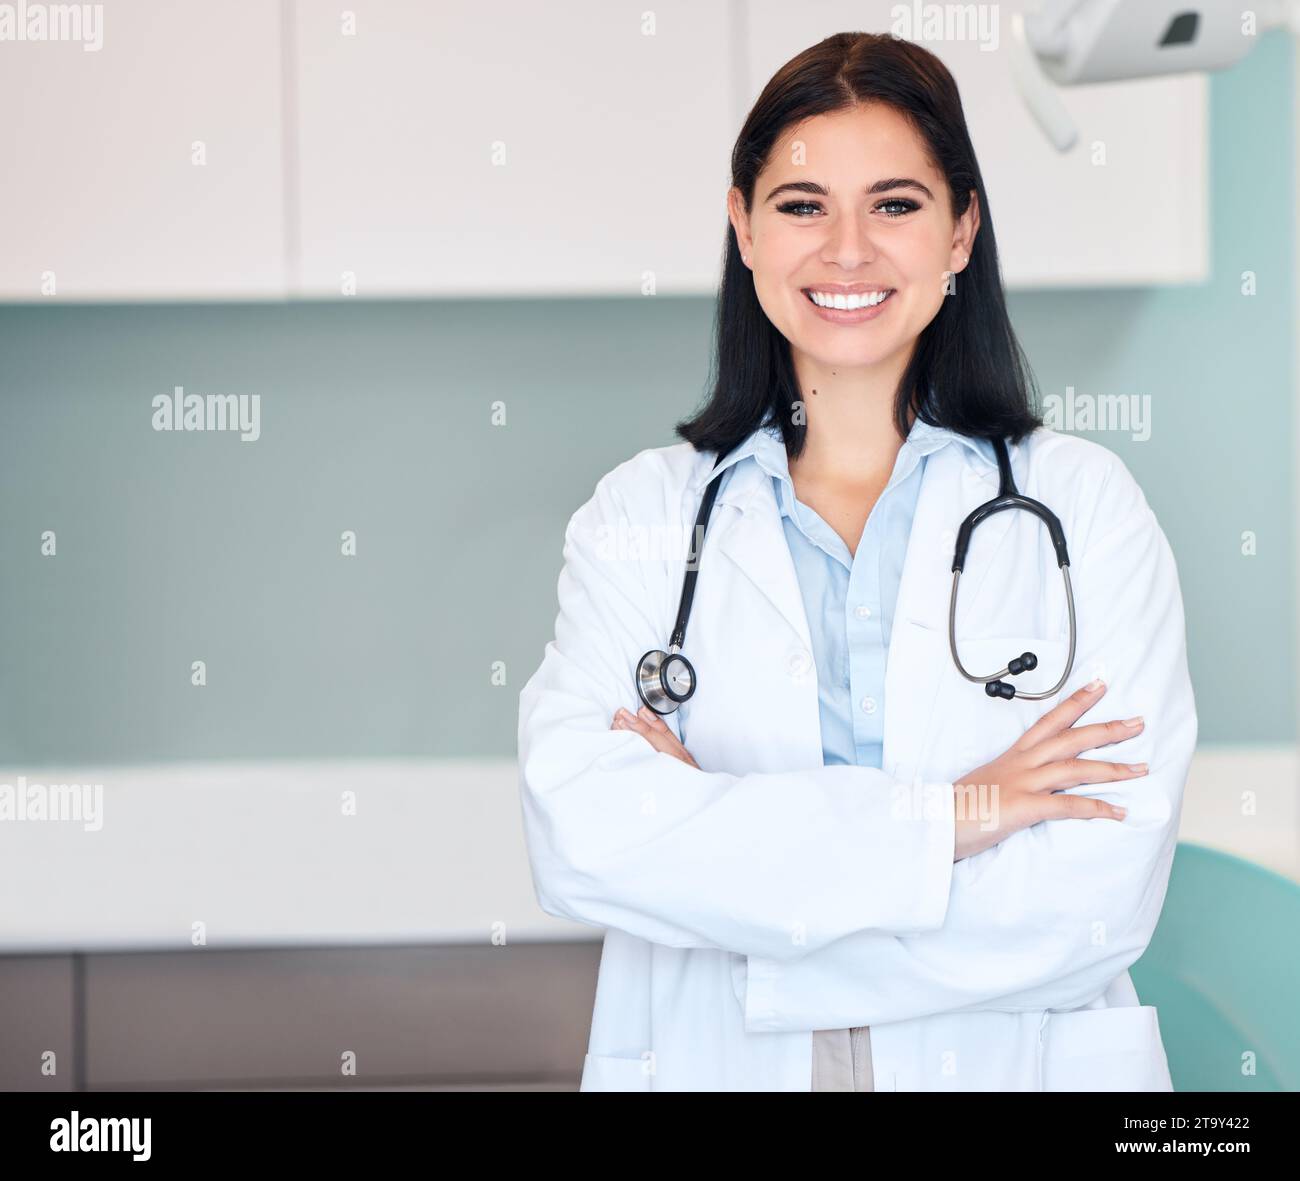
x=767, y=447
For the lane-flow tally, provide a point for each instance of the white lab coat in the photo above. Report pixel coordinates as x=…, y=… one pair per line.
x=765, y=895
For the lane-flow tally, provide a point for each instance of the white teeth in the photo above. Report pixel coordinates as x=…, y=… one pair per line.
x=868, y=299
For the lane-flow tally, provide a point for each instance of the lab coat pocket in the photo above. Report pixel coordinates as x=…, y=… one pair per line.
x=974, y=728
x=1115, y=1049
x=613, y=1072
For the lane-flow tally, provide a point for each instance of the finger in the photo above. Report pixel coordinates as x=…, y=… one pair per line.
x=652, y=719
x=1075, y=772
x=662, y=742
x=681, y=753
x=1077, y=739
x=1058, y=718
x=1064, y=807
x=660, y=737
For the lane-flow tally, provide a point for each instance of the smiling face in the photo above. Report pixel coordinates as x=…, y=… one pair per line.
x=851, y=238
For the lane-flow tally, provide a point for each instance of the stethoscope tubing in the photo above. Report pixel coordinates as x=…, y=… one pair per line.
x=653, y=687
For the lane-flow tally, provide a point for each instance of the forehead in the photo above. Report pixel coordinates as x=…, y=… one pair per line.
x=860, y=143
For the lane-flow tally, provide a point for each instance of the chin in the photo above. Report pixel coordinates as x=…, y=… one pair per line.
x=847, y=356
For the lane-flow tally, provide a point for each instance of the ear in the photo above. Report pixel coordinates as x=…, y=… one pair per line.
x=739, y=219
x=963, y=239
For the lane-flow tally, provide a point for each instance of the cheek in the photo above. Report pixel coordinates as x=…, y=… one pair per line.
x=924, y=299
x=779, y=300
x=924, y=265
x=924, y=281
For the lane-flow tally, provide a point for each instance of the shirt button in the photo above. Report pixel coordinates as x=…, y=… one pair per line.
x=862, y=611
x=868, y=705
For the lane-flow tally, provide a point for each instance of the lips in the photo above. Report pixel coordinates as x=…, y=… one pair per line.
x=846, y=315
x=847, y=288
x=833, y=299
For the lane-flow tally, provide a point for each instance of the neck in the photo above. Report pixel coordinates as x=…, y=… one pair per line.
x=851, y=436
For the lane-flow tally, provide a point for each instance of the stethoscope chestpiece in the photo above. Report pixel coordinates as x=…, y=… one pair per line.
x=664, y=680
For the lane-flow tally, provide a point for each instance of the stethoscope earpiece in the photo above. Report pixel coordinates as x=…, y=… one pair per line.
x=1021, y=664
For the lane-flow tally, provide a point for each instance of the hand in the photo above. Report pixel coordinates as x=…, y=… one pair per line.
x=1022, y=781
x=655, y=731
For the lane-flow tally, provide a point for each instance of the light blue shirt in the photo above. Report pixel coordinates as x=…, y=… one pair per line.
x=848, y=598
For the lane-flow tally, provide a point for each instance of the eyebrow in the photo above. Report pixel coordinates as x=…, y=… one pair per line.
x=881, y=186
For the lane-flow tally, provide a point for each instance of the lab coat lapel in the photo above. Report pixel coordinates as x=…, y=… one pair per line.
x=756, y=542
x=953, y=486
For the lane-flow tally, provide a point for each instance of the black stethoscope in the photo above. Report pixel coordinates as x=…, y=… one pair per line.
x=664, y=680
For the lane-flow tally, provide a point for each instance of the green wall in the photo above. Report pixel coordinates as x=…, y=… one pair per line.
x=377, y=417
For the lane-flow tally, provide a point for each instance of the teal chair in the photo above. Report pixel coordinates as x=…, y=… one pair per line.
x=1223, y=970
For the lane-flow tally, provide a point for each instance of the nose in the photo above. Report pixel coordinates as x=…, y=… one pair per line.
x=848, y=242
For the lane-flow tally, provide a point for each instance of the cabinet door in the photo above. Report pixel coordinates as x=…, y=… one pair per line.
x=512, y=148
x=149, y=167
x=38, y=1044
x=461, y=1016
x=1127, y=205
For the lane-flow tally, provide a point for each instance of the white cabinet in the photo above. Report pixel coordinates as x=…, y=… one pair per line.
x=104, y=192
x=406, y=148
x=1127, y=206
x=512, y=148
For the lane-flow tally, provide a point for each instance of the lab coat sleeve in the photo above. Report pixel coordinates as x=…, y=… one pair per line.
x=1048, y=917
x=621, y=835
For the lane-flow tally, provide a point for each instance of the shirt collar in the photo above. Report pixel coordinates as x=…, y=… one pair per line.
x=767, y=447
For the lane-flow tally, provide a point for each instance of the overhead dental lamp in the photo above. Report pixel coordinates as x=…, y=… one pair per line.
x=1073, y=42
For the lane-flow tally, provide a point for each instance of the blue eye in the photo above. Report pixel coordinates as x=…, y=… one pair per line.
x=791, y=206
x=902, y=204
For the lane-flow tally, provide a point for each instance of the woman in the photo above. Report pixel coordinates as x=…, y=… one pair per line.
x=839, y=865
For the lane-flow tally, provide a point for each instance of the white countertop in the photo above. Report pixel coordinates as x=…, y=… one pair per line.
x=264, y=854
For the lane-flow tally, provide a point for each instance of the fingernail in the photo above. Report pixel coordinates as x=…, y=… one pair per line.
x=1133, y=722
x=1122, y=811
x=1093, y=686
x=1137, y=766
